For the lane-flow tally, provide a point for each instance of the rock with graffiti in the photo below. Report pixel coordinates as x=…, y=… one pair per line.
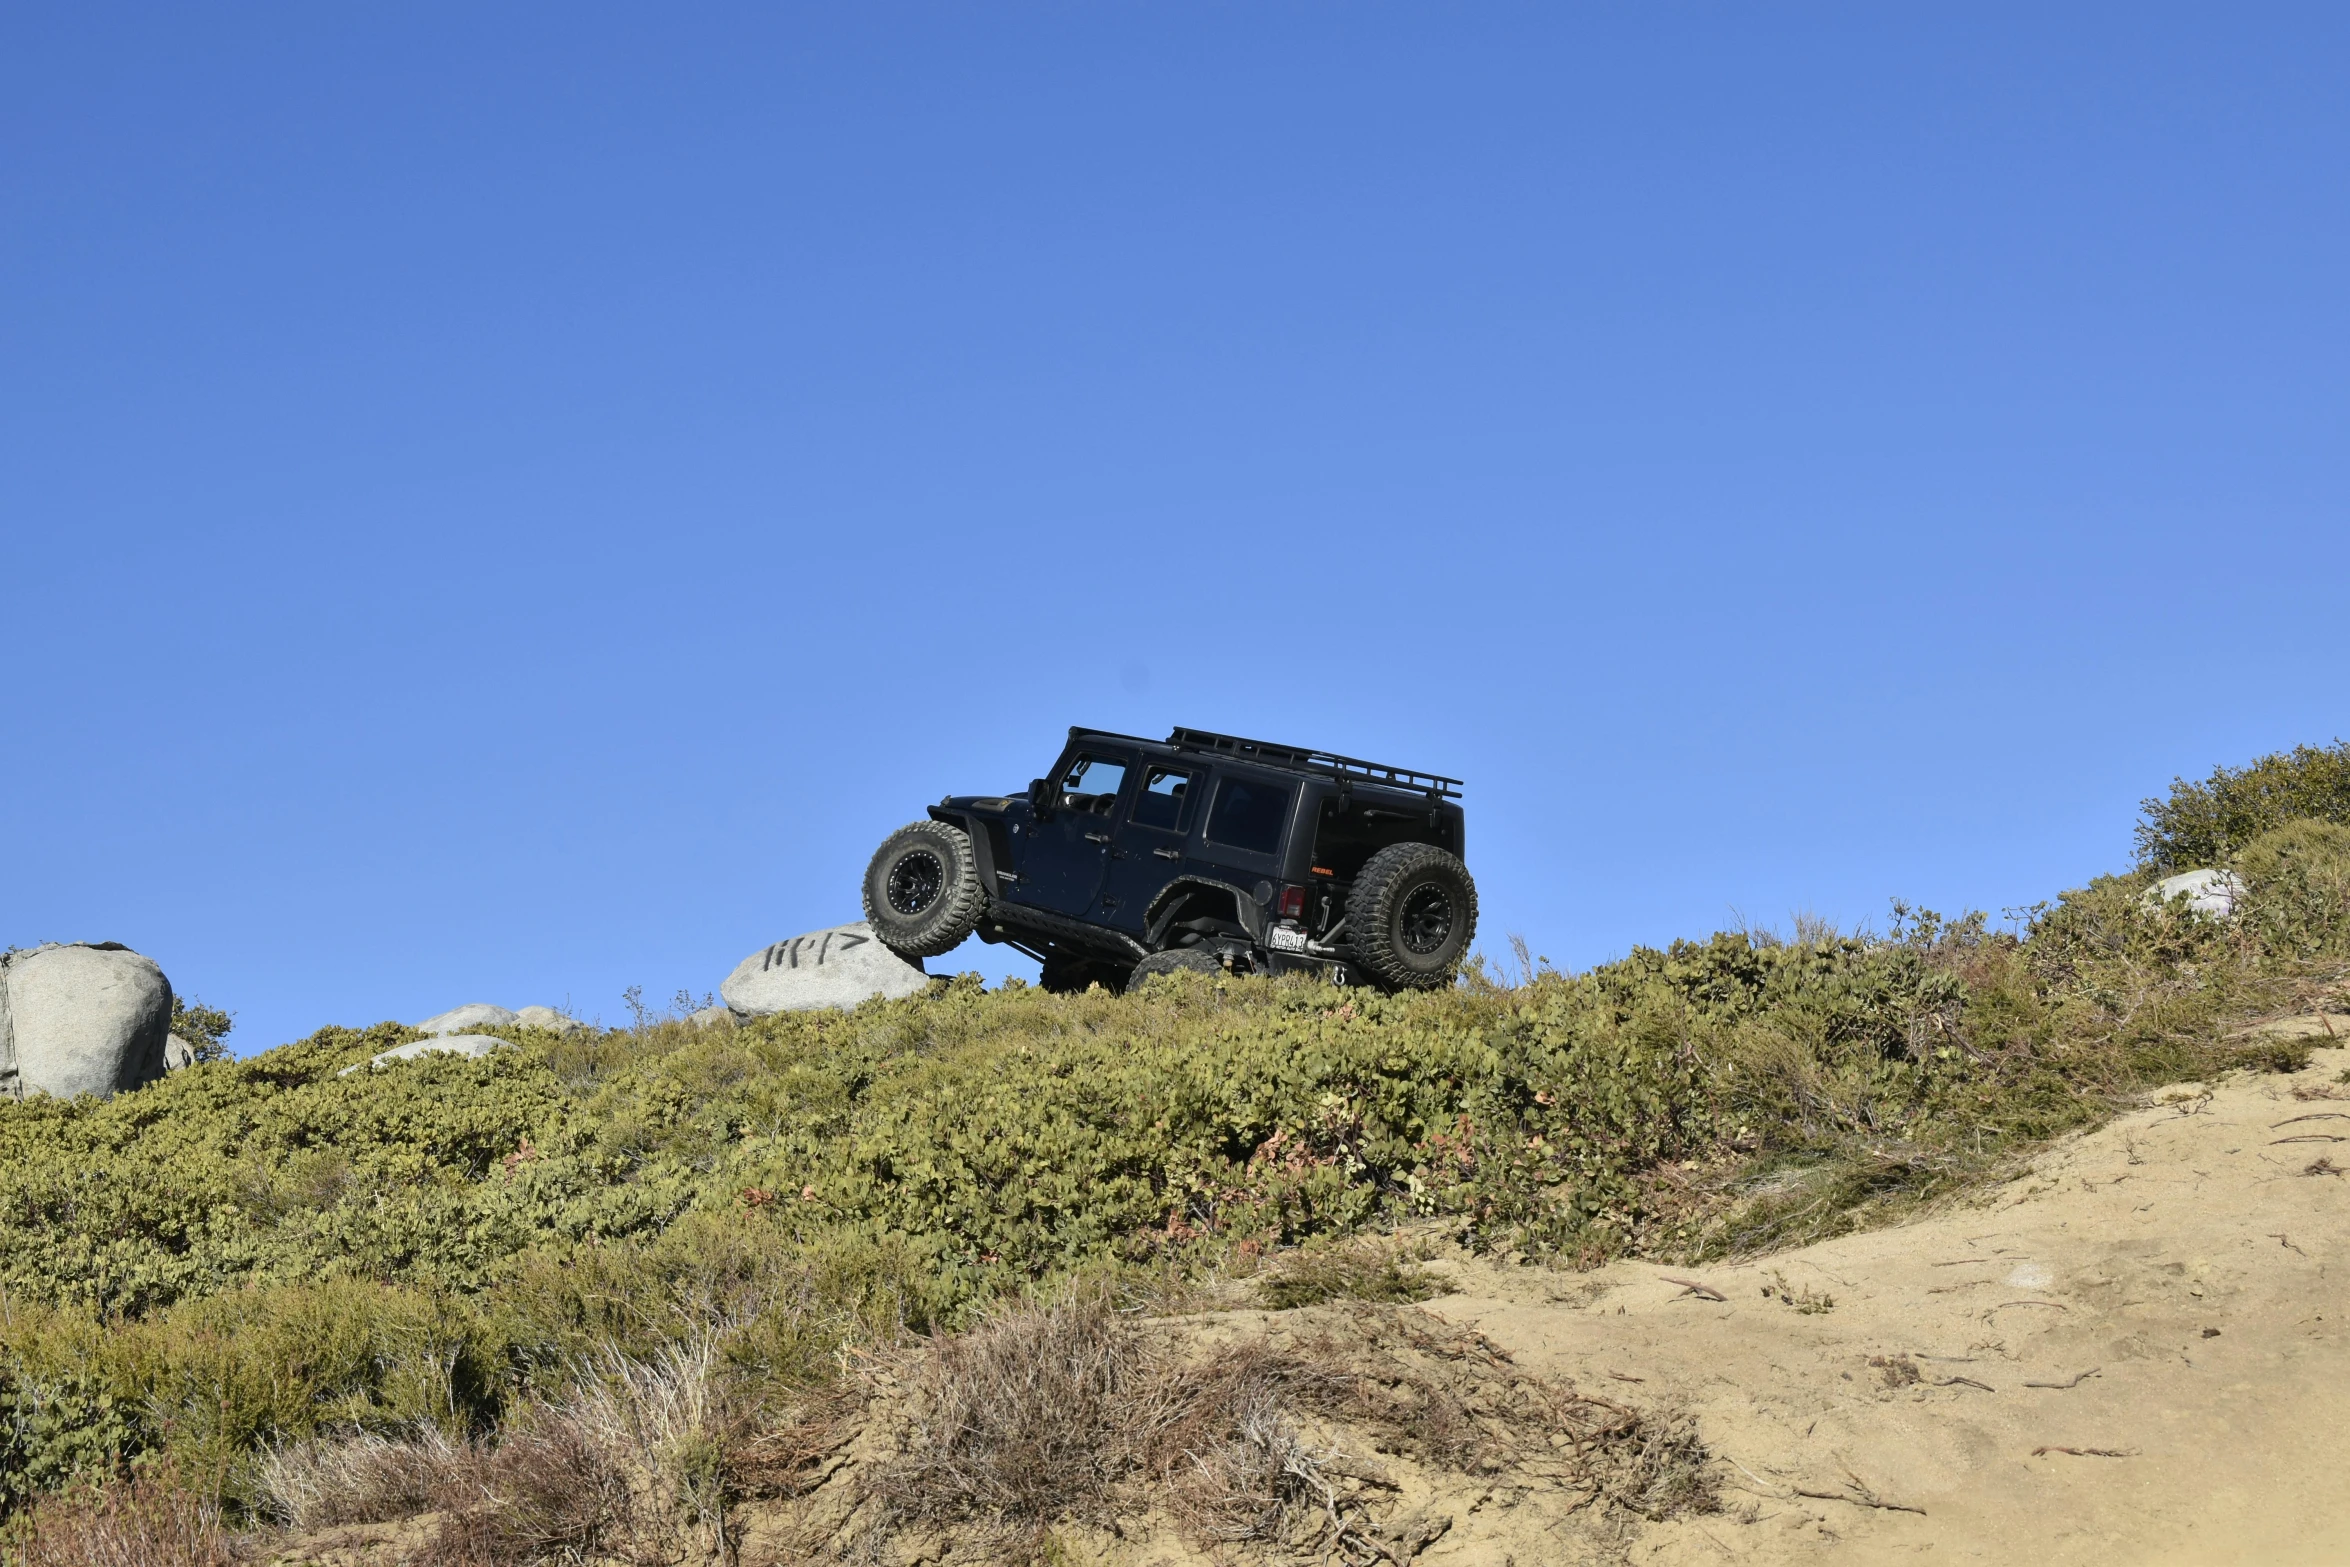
x=839, y=967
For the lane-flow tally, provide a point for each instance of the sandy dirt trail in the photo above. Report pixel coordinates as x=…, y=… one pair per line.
x=2169, y=1288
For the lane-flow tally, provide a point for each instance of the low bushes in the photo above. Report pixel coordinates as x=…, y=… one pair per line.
x=2296, y=903
x=2207, y=823
x=254, y=1255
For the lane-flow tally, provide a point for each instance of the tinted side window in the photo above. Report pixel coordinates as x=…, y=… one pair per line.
x=1092, y=783
x=1249, y=815
x=1165, y=799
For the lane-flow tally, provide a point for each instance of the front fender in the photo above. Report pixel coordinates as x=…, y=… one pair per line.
x=990, y=847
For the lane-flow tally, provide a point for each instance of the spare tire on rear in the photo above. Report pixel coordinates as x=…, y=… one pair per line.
x=1411, y=916
x=922, y=894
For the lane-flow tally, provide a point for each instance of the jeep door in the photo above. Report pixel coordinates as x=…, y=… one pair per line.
x=1065, y=856
x=1146, y=851
x=1247, y=823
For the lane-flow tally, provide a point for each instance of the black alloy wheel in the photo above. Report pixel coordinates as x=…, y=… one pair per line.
x=1426, y=920
x=915, y=883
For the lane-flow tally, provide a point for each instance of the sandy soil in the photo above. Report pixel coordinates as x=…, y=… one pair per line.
x=2168, y=1289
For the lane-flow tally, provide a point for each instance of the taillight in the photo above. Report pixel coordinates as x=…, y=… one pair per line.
x=1293, y=903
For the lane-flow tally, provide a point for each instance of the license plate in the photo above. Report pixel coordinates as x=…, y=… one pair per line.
x=1286, y=940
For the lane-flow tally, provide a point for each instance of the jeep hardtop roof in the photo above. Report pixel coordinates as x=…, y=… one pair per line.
x=1290, y=758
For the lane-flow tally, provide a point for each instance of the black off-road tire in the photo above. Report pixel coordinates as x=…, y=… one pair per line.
x=1411, y=916
x=1175, y=960
x=922, y=893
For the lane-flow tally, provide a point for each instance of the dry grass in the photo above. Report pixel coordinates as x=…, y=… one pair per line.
x=980, y=1446
x=630, y=1465
x=554, y=1490
x=363, y=1479
x=1022, y=1420
x=1070, y=1413
x=147, y=1520
x=789, y=1455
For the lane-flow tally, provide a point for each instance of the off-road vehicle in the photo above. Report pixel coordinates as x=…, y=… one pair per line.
x=1200, y=851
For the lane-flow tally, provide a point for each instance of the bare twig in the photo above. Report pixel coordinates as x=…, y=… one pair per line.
x=2286, y=1241
x=2050, y=1304
x=2078, y=1379
x=2309, y=1137
x=1625, y=1376
x=2314, y=1115
x=1775, y=1491
x=1964, y=1382
x=2323, y=1166
x=2080, y=1452
x=1857, y=1493
x=1704, y=1291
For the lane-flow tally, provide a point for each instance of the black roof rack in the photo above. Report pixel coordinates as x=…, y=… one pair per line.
x=1342, y=767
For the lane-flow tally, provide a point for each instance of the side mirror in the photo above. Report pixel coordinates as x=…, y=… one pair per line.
x=1040, y=796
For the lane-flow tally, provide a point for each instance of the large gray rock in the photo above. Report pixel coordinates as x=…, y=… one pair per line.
x=474, y=1014
x=826, y=968
x=84, y=1018
x=2212, y=892
x=546, y=1017
x=177, y=1053
x=705, y=1016
x=438, y=1045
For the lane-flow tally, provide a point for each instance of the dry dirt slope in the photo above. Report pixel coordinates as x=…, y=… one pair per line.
x=2169, y=1288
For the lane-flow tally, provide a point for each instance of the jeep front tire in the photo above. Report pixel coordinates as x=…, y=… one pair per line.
x=922, y=894
x=1412, y=915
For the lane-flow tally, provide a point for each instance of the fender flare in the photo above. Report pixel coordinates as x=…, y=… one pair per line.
x=1244, y=903
x=982, y=845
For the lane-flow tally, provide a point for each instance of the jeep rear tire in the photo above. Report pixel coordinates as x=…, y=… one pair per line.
x=1412, y=915
x=922, y=894
x=1176, y=960
x=1067, y=975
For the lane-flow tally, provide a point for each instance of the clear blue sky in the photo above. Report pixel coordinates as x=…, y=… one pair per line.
x=507, y=503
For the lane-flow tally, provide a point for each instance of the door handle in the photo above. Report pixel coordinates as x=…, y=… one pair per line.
x=1097, y=837
x=1168, y=854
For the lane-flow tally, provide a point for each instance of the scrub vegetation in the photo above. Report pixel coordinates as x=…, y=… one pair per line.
x=2208, y=823
x=579, y=1299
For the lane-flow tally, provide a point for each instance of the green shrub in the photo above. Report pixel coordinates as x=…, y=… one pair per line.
x=1313, y=1275
x=2296, y=902
x=204, y=1028
x=2206, y=823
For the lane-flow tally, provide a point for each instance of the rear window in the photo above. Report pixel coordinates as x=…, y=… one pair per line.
x=1249, y=815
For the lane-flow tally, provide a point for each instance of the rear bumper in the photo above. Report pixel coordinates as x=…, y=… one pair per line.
x=1336, y=970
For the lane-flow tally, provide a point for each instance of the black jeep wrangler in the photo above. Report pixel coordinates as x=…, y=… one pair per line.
x=1200, y=851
